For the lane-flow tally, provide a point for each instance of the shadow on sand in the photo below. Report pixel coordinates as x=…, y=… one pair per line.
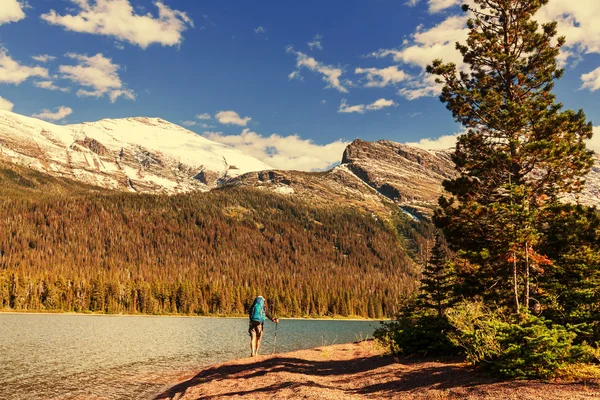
x=412, y=376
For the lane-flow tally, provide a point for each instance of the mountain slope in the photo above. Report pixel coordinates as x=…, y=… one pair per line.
x=136, y=154
x=65, y=246
x=374, y=175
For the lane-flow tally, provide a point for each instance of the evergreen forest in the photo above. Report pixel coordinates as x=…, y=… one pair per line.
x=68, y=247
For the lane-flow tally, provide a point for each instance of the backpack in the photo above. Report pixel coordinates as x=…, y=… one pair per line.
x=257, y=310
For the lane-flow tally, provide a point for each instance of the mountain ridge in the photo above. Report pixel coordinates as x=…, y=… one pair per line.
x=138, y=154
x=152, y=155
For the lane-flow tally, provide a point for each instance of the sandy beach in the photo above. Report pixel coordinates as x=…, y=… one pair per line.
x=361, y=370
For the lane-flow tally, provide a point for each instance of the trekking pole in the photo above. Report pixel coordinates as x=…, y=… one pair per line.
x=275, y=340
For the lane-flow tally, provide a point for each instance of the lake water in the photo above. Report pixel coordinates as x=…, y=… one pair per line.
x=123, y=357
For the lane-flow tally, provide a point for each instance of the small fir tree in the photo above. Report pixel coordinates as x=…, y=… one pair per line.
x=438, y=279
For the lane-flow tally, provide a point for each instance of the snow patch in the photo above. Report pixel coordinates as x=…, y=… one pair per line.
x=284, y=190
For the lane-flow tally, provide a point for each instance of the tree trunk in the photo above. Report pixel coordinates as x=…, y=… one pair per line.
x=526, y=301
x=515, y=283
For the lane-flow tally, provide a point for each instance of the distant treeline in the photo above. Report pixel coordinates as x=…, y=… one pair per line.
x=203, y=253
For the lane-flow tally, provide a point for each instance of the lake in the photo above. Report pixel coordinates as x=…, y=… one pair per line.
x=62, y=356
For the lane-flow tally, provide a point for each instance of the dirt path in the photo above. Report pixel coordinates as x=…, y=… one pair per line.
x=357, y=371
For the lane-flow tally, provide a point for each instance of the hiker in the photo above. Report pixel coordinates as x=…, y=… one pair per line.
x=258, y=311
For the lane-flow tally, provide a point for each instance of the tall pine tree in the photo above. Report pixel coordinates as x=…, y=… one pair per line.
x=521, y=152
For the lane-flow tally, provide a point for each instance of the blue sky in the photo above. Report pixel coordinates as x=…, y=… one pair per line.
x=294, y=79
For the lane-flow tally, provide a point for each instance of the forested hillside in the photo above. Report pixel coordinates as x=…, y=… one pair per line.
x=65, y=246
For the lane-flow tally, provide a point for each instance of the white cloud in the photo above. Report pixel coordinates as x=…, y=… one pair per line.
x=98, y=73
x=43, y=58
x=331, y=75
x=594, y=142
x=429, y=44
x=316, y=43
x=345, y=108
x=284, y=152
x=232, y=118
x=424, y=46
x=381, y=103
x=117, y=18
x=60, y=113
x=13, y=72
x=424, y=86
x=382, y=77
x=11, y=11
x=361, y=108
x=260, y=29
x=203, y=116
x=435, y=6
x=440, y=143
x=113, y=95
x=188, y=123
x=577, y=20
x=5, y=104
x=591, y=80
x=449, y=141
x=50, y=86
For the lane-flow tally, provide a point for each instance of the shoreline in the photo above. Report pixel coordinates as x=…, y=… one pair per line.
x=362, y=370
x=37, y=312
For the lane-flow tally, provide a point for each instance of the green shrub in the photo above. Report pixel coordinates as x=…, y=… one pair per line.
x=475, y=330
x=420, y=334
x=526, y=349
x=535, y=348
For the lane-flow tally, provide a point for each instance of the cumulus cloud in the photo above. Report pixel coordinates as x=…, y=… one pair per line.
x=331, y=75
x=11, y=11
x=118, y=19
x=383, y=77
x=594, y=142
x=60, y=113
x=435, y=6
x=424, y=46
x=591, y=80
x=13, y=72
x=449, y=141
x=50, y=86
x=284, y=152
x=441, y=143
x=188, y=123
x=43, y=58
x=232, y=118
x=316, y=43
x=259, y=30
x=361, y=108
x=204, y=116
x=427, y=44
x=577, y=20
x=5, y=104
x=97, y=73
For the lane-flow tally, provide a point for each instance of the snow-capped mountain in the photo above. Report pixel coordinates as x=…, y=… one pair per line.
x=137, y=154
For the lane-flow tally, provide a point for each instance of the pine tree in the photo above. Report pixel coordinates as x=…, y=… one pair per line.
x=521, y=152
x=438, y=278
